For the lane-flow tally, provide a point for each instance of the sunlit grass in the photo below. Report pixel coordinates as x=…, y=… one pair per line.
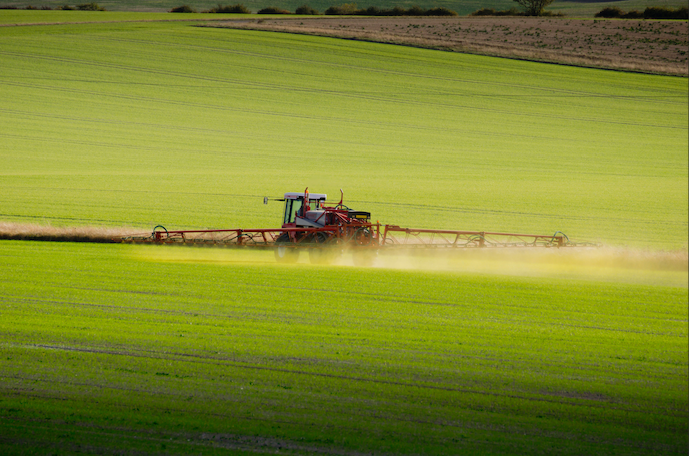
x=146, y=124
x=188, y=346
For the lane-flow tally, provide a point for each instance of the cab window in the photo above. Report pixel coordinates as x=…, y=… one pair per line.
x=291, y=209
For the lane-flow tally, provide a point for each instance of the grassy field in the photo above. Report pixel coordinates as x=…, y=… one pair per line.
x=462, y=7
x=153, y=350
x=123, y=349
x=165, y=123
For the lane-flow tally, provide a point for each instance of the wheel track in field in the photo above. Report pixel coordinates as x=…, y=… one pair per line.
x=473, y=425
x=567, y=400
x=255, y=444
x=398, y=299
x=243, y=133
x=479, y=82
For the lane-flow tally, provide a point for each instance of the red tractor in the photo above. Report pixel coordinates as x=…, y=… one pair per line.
x=328, y=231
x=325, y=231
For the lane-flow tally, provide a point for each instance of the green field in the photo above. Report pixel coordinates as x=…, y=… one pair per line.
x=125, y=349
x=149, y=350
x=165, y=123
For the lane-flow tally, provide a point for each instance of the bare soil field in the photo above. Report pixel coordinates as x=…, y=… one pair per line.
x=36, y=232
x=632, y=45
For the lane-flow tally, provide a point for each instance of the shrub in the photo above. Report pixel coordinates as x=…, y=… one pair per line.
x=341, y=10
x=183, y=9
x=652, y=12
x=273, y=10
x=415, y=11
x=492, y=12
x=633, y=14
x=351, y=9
x=306, y=10
x=65, y=7
x=440, y=12
x=90, y=7
x=230, y=9
x=370, y=11
x=6, y=7
x=484, y=12
x=662, y=12
x=398, y=11
x=610, y=11
x=551, y=14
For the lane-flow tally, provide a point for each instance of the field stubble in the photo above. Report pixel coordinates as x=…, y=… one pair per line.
x=631, y=45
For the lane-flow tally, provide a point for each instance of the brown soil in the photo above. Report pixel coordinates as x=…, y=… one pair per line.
x=631, y=45
x=34, y=232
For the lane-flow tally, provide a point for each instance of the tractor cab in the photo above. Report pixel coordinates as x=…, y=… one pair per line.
x=299, y=214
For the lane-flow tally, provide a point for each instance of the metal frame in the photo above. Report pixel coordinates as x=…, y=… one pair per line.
x=348, y=235
x=347, y=231
x=422, y=238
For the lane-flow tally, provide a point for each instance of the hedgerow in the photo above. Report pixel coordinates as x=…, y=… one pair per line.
x=511, y=12
x=652, y=12
x=493, y=12
x=306, y=10
x=239, y=8
x=350, y=9
x=273, y=10
x=90, y=7
x=183, y=9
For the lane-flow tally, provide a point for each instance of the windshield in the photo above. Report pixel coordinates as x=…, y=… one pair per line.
x=293, y=208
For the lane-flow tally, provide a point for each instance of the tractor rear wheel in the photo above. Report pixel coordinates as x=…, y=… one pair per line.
x=285, y=252
x=325, y=253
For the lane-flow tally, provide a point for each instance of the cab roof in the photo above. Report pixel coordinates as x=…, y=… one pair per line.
x=312, y=196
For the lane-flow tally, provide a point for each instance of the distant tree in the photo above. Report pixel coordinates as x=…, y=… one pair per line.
x=273, y=10
x=534, y=7
x=342, y=10
x=306, y=10
x=90, y=7
x=230, y=9
x=183, y=9
x=610, y=11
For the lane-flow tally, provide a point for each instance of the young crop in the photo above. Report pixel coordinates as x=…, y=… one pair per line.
x=195, y=346
x=398, y=119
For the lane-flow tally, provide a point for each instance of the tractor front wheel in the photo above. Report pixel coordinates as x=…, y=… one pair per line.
x=285, y=252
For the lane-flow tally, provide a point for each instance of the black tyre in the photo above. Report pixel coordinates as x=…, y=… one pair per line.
x=326, y=253
x=285, y=252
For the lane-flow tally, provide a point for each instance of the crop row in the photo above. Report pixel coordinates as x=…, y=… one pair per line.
x=151, y=126
x=128, y=336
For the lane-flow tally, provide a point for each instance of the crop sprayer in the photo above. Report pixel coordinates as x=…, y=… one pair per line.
x=326, y=232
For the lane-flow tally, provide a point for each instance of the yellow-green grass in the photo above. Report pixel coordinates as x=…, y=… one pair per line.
x=165, y=123
x=157, y=350
x=589, y=9
x=48, y=17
